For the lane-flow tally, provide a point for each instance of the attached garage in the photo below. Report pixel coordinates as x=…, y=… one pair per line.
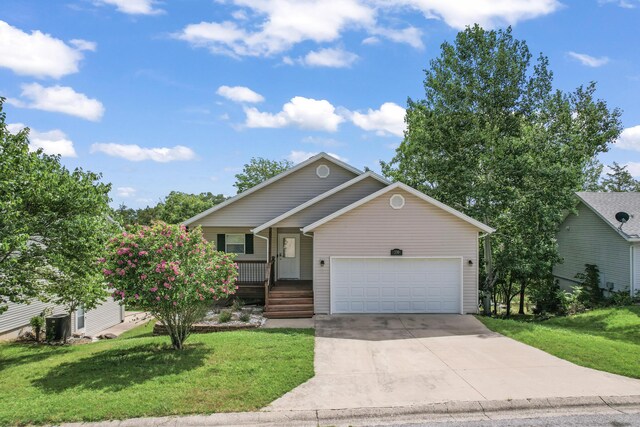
x=396, y=285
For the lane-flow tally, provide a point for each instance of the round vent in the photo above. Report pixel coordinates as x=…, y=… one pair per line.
x=323, y=171
x=396, y=201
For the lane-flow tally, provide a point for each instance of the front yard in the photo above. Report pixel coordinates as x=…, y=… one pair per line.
x=605, y=339
x=139, y=375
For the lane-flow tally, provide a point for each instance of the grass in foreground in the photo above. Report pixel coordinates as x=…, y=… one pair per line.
x=605, y=339
x=139, y=375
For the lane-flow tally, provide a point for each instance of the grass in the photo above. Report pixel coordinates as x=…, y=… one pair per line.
x=139, y=375
x=605, y=339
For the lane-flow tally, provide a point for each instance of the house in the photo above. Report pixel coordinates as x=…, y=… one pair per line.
x=593, y=235
x=324, y=238
x=15, y=320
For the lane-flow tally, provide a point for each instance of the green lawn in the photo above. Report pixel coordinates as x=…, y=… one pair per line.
x=139, y=375
x=605, y=339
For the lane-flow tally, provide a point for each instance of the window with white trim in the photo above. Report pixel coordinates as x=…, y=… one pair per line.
x=234, y=243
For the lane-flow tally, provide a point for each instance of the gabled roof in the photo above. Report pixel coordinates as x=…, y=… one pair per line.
x=606, y=205
x=278, y=177
x=401, y=186
x=319, y=198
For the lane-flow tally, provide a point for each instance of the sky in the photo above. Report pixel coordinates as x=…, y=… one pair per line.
x=180, y=94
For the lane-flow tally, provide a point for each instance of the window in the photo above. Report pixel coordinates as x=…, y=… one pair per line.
x=289, y=247
x=234, y=243
x=80, y=318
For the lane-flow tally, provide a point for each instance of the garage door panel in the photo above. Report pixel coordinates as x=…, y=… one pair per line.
x=396, y=285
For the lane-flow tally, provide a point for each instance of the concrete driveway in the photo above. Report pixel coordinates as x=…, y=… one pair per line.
x=402, y=360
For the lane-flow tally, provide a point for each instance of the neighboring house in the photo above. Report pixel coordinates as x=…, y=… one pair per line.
x=16, y=319
x=592, y=235
x=338, y=240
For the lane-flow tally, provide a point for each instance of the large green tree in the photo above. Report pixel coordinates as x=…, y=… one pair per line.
x=53, y=226
x=618, y=179
x=258, y=170
x=493, y=139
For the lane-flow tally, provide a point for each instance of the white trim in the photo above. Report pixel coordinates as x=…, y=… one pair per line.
x=395, y=196
x=278, y=177
x=319, y=198
x=399, y=185
x=323, y=166
x=331, y=258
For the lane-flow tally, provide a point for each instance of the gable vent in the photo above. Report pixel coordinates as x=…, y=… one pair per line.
x=396, y=201
x=323, y=171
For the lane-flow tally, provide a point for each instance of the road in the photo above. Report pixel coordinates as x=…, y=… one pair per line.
x=594, y=420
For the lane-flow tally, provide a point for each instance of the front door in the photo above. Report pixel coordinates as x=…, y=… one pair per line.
x=288, y=256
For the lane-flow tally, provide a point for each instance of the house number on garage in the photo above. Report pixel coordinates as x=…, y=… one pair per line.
x=396, y=252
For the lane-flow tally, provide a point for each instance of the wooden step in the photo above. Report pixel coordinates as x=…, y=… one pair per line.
x=288, y=314
x=289, y=307
x=290, y=294
x=298, y=300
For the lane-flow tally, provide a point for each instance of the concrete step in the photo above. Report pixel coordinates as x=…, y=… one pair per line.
x=288, y=314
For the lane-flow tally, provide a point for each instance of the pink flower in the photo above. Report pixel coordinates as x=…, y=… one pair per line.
x=155, y=288
x=143, y=276
x=157, y=298
x=137, y=296
x=175, y=303
x=141, y=253
x=107, y=272
x=167, y=285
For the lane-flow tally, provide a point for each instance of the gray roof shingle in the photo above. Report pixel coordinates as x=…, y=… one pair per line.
x=608, y=204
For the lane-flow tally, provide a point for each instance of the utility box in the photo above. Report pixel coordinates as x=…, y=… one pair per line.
x=57, y=327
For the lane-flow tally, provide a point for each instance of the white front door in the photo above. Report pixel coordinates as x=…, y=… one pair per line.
x=288, y=256
x=396, y=285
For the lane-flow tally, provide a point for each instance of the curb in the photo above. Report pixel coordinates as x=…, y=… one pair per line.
x=450, y=411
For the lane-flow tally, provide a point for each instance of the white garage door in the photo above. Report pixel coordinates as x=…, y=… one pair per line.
x=396, y=285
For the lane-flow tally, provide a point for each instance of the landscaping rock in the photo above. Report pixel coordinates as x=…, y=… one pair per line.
x=107, y=336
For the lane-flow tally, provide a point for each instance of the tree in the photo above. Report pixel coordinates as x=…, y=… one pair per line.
x=171, y=273
x=494, y=140
x=618, y=179
x=174, y=209
x=53, y=225
x=258, y=170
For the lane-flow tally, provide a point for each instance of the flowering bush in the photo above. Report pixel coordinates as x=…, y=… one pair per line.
x=171, y=273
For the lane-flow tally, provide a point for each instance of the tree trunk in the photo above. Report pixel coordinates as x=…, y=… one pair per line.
x=522, y=289
x=508, y=298
x=489, y=282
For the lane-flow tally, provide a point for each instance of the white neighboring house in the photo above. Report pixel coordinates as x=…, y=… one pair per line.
x=15, y=320
x=593, y=235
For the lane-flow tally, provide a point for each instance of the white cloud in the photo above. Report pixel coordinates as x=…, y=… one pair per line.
x=387, y=120
x=625, y=4
x=126, y=191
x=588, y=60
x=305, y=113
x=330, y=57
x=239, y=94
x=269, y=27
x=633, y=168
x=371, y=40
x=53, y=142
x=134, y=7
x=39, y=54
x=300, y=156
x=135, y=153
x=281, y=25
x=81, y=44
x=60, y=99
x=487, y=13
x=629, y=139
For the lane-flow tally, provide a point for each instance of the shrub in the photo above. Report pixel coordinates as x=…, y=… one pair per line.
x=171, y=273
x=37, y=322
x=620, y=298
x=573, y=300
x=548, y=297
x=245, y=317
x=224, y=316
x=237, y=305
x=592, y=295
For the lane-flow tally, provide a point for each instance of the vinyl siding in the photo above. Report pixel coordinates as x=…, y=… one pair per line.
x=332, y=203
x=16, y=319
x=259, y=244
x=278, y=197
x=635, y=288
x=586, y=239
x=373, y=229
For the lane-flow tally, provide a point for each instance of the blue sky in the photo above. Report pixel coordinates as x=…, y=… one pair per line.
x=178, y=95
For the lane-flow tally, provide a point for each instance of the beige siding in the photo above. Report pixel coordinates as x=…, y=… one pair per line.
x=333, y=203
x=102, y=317
x=373, y=229
x=586, y=239
x=278, y=197
x=259, y=245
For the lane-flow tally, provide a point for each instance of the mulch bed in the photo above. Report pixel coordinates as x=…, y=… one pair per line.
x=159, y=328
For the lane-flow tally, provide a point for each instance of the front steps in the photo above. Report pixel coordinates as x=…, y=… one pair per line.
x=289, y=303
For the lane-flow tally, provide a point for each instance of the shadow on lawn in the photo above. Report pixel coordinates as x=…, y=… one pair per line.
x=34, y=353
x=119, y=368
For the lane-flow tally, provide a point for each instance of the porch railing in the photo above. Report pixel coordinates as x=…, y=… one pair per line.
x=251, y=271
x=269, y=280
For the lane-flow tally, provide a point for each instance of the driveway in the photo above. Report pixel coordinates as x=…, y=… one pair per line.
x=402, y=360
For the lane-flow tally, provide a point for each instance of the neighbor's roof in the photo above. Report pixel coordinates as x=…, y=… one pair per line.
x=278, y=177
x=606, y=205
x=401, y=186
